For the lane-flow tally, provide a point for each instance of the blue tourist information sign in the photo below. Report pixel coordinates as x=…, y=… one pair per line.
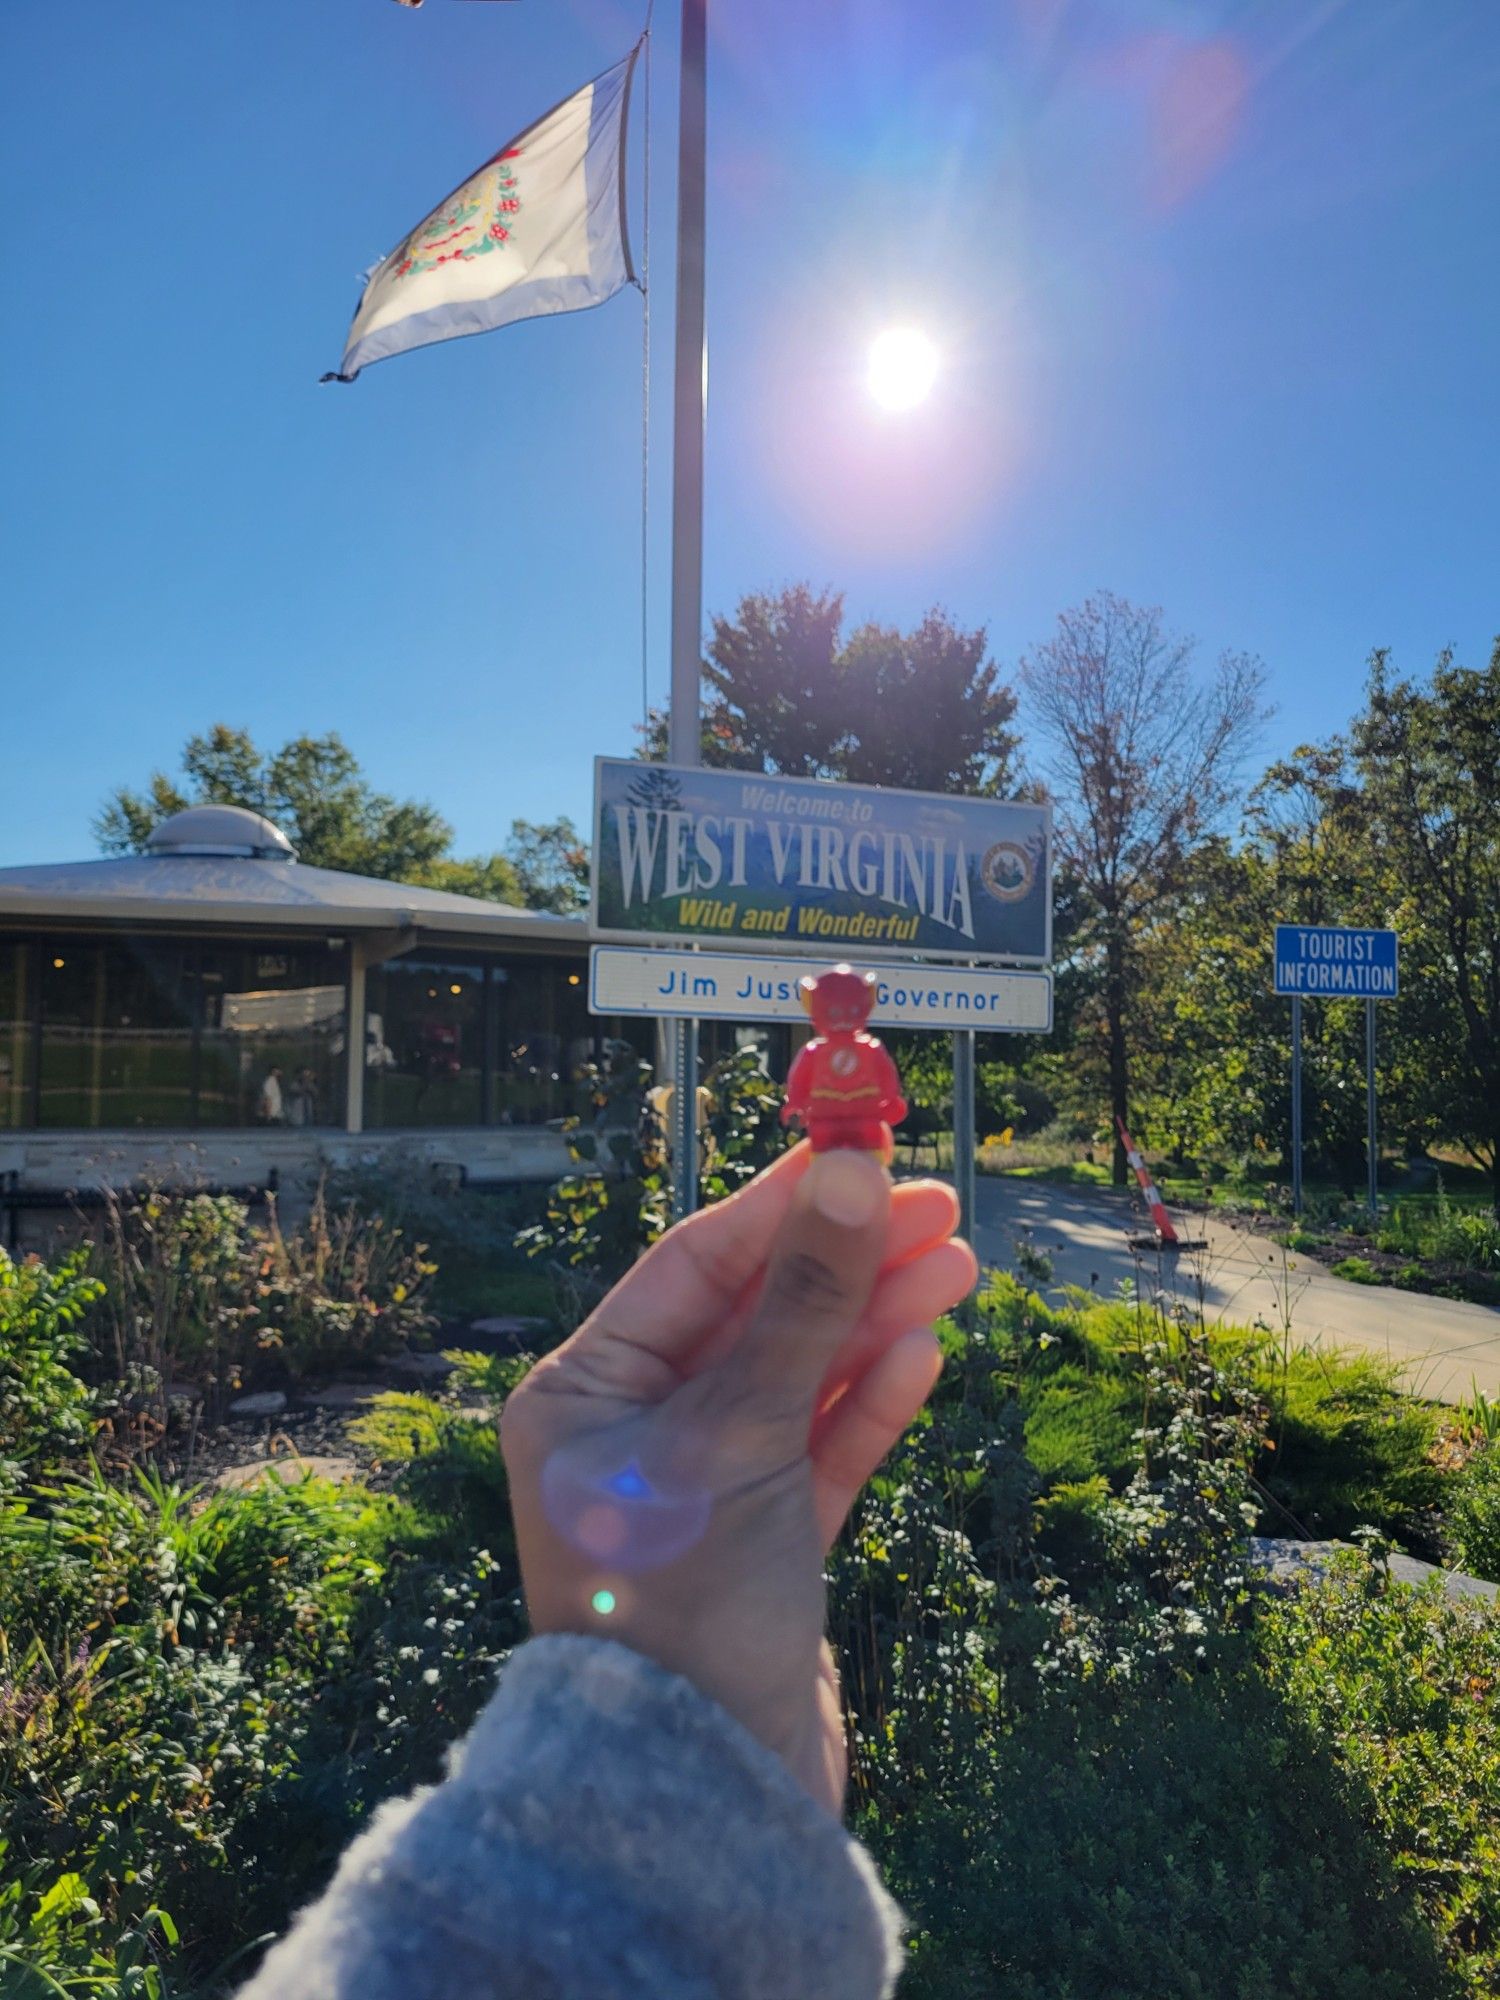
x=742, y=861
x=1335, y=962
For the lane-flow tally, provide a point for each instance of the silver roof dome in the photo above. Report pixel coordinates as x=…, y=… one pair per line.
x=231, y=830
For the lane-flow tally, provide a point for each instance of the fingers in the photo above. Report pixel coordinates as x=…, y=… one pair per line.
x=659, y=1311
x=922, y=1212
x=915, y=1294
x=821, y=1274
x=862, y=1427
x=922, y=1215
x=683, y=1305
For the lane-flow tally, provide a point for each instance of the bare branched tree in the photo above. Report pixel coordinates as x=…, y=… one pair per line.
x=1144, y=764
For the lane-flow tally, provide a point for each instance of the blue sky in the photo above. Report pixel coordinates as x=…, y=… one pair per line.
x=1216, y=287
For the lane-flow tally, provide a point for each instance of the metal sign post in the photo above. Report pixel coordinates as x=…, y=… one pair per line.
x=1335, y=962
x=689, y=402
x=963, y=1129
x=1371, y=1141
x=1296, y=1104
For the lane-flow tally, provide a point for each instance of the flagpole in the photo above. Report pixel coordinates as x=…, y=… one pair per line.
x=689, y=399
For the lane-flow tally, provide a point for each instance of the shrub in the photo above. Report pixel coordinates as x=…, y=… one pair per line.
x=468, y=1233
x=47, y=1414
x=745, y=1132
x=1474, y=1514
x=1304, y=1239
x=448, y=1464
x=1401, y=1686
x=195, y=1292
x=1443, y=1232
x=596, y=1223
x=53, y=1939
x=1190, y=1840
x=1357, y=1271
x=1079, y=1790
x=155, y=1668
x=1346, y=1447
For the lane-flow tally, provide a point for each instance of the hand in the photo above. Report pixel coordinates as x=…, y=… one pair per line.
x=680, y=1466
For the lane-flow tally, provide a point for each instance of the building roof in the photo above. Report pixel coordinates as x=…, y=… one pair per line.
x=227, y=867
x=220, y=830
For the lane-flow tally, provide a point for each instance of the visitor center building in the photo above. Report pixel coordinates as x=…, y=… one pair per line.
x=213, y=1012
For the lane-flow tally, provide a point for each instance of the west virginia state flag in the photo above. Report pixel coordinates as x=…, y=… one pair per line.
x=539, y=229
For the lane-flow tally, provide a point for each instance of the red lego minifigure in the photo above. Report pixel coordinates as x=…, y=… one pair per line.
x=843, y=1087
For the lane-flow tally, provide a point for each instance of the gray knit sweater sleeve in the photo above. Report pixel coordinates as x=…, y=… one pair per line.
x=604, y=1833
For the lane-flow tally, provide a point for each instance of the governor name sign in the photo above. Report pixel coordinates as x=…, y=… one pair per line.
x=732, y=986
x=793, y=864
x=1334, y=961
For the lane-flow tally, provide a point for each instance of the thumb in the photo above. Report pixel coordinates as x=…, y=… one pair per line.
x=822, y=1270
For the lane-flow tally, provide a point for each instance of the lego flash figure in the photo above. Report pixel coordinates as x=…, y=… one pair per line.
x=844, y=1089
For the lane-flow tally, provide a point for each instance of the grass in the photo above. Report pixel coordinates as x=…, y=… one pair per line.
x=1346, y=1446
x=480, y=1290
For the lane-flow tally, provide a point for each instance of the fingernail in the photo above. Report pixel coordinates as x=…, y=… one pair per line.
x=846, y=1188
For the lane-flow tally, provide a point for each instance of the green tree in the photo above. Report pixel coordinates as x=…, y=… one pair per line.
x=550, y=863
x=314, y=790
x=786, y=693
x=1144, y=763
x=1429, y=765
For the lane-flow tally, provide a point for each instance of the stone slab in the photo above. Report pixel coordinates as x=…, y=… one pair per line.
x=289, y=1468
x=1287, y=1563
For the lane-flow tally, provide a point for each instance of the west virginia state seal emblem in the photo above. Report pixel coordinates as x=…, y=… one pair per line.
x=475, y=220
x=1007, y=871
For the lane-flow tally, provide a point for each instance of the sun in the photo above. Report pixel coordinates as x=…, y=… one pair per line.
x=903, y=368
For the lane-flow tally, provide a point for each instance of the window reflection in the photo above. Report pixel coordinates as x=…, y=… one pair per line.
x=272, y=1037
x=425, y=1042
x=136, y=1032
x=154, y=1033
x=16, y=1010
x=117, y=1035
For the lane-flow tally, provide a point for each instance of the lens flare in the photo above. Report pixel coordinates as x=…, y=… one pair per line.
x=903, y=368
x=603, y=1504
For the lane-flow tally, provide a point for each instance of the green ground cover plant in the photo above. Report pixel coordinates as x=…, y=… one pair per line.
x=1089, y=1756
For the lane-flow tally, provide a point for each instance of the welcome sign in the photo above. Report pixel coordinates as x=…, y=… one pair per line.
x=795, y=864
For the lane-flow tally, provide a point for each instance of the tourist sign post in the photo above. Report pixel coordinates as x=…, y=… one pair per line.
x=1335, y=962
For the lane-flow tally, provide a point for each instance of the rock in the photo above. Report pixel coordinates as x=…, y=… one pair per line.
x=419, y=1367
x=290, y=1468
x=504, y=1333
x=264, y=1403
x=339, y=1396
x=1407, y=1569
x=1287, y=1563
x=184, y=1392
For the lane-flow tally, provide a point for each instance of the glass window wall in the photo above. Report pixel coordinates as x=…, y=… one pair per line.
x=458, y=1041
x=272, y=1036
x=139, y=1032
x=17, y=1034
x=425, y=1041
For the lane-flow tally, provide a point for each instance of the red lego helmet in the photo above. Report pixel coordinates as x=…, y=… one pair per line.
x=839, y=1001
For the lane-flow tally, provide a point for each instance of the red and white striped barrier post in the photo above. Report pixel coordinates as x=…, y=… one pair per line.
x=1161, y=1221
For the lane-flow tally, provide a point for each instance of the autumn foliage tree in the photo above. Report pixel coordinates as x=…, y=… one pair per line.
x=1143, y=757
x=785, y=691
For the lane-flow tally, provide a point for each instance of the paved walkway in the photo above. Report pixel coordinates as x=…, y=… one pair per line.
x=1445, y=1345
